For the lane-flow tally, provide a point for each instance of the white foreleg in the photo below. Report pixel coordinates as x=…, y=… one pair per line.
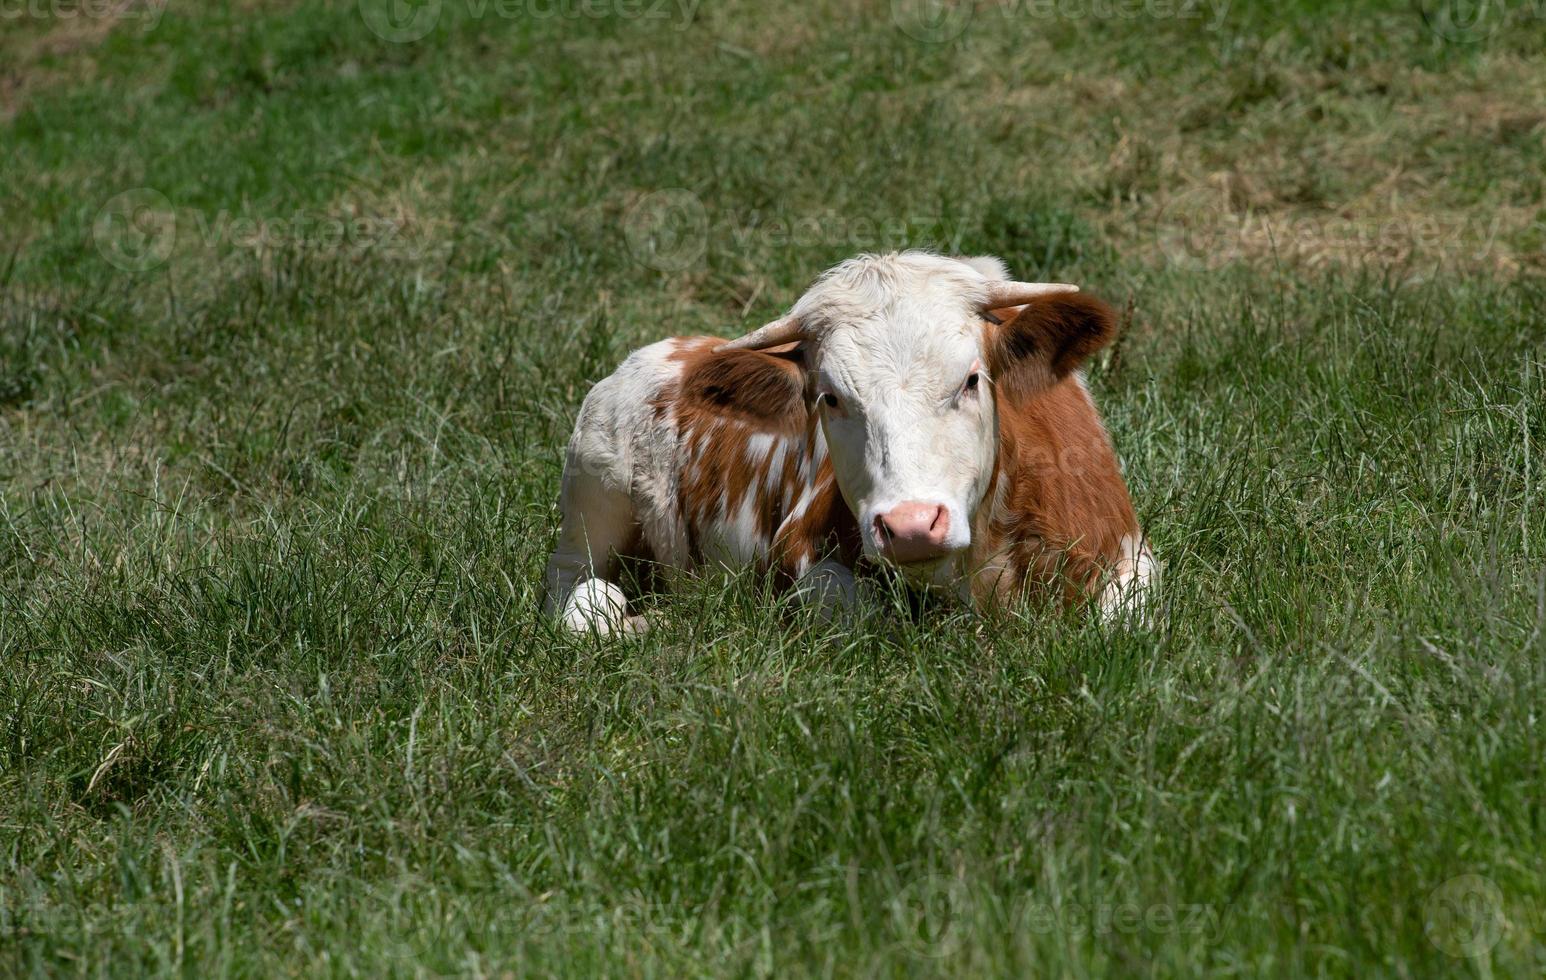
x=597, y=523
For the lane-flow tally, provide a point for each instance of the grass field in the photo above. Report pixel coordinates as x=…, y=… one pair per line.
x=297, y=303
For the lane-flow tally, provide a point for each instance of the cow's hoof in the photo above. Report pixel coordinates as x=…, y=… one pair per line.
x=830, y=591
x=600, y=607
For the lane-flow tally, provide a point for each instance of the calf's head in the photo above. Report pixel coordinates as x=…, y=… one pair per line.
x=907, y=368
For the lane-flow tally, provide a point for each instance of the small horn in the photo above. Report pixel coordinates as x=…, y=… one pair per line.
x=1006, y=294
x=785, y=330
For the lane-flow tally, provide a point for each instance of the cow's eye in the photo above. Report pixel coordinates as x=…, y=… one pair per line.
x=829, y=400
x=972, y=381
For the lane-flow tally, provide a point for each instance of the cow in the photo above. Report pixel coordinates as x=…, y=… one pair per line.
x=912, y=411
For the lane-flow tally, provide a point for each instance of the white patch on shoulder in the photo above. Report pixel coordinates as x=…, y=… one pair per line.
x=624, y=442
x=775, y=474
x=733, y=539
x=807, y=497
x=758, y=445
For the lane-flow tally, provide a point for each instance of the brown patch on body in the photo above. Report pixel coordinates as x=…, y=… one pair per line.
x=1063, y=507
x=761, y=390
x=723, y=400
x=826, y=527
x=1055, y=513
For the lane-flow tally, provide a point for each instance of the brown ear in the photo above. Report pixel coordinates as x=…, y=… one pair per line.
x=1047, y=341
x=760, y=389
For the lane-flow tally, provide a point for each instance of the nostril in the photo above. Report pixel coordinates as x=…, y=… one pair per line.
x=939, y=527
x=912, y=530
x=882, y=532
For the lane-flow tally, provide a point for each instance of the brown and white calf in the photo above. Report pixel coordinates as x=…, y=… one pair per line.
x=913, y=410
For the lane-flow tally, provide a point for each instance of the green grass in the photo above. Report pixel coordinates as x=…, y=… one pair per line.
x=275, y=696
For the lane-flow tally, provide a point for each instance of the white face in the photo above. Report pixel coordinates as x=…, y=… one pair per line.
x=898, y=353
x=905, y=404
